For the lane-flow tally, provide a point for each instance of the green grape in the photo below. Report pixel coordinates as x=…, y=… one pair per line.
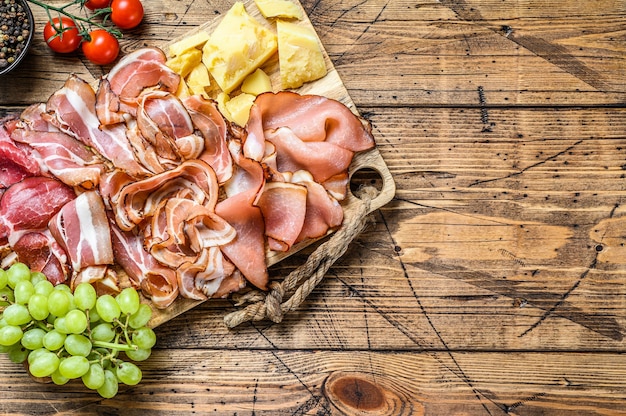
x=33, y=338
x=128, y=300
x=107, y=308
x=128, y=373
x=23, y=290
x=44, y=364
x=76, y=321
x=85, y=296
x=38, y=307
x=63, y=287
x=17, y=272
x=103, y=332
x=58, y=302
x=6, y=296
x=60, y=324
x=36, y=277
x=54, y=340
x=141, y=317
x=74, y=366
x=17, y=314
x=3, y=322
x=58, y=378
x=5, y=348
x=93, y=316
x=4, y=278
x=77, y=345
x=144, y=338
x=94, y=378
x=18, y=354
x=35, y=353
x=44, y=287
x=139, y=354
x=10, y=335
x=110, y=386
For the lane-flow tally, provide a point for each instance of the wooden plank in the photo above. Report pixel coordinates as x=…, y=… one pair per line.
x=429, y=54
x=498, y=239
x=178, y=382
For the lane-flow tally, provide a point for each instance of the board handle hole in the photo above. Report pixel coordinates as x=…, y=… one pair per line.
x=366, y=177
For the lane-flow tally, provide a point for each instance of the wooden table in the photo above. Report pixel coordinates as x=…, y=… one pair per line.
x=495, y=281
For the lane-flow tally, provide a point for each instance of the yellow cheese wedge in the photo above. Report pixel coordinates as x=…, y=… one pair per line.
x=199, y=76
x=222, y=99
x=284, y=9
x=239, y=108
x=238, y=46
x=184, y=63
x=256, y=83
x=183, y=90
x=190, y=42
x=300, y=55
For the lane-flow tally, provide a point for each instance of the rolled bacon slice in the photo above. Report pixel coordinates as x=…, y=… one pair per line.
x=15, y=162
x=211, y=124
x=81, y=227
x=41, y=252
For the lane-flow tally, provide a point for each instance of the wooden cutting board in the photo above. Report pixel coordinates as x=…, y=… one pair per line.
x=330, y=86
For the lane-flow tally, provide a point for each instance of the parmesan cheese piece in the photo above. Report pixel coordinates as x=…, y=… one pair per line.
x=190, y=42
x=256, y=83
x=184, y=63
x=238, y=46
x=284, y=9
x=239, y=108
x=299, y=54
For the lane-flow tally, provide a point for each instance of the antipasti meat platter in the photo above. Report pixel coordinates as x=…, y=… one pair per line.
x=187, y=170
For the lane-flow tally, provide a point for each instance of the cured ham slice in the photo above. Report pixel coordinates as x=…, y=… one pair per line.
x=323, y=212
x=283, y=206
x=158, y=282
x=72, y=110
x=82, y=229
x=324, y=160
x=30, y=204
x=15, y=162
x=64, y=157
x=202, y=278
x=40, y=251
x=312, y=118
x=211, y=124
x=138, y=200
x=139, y=70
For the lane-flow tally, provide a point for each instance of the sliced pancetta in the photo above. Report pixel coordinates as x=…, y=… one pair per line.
x=82, y=229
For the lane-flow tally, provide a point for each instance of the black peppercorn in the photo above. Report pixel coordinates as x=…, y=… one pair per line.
x=14, y=31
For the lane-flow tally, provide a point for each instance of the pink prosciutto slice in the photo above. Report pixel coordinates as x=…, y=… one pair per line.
x=309, y=117
x=72, y=109
x=64, y=157
x=158, y=282
x=81, y=227
x=15, y=162
x=139, y=70
x=209, y=121
x=30, y=204
x=202, y=278
x=40, y=251
x=323, y=212
x=283, y=206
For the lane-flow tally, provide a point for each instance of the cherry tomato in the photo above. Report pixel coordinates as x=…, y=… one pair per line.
x=126, y=14
x=102, y=47
x=97, y=4
x=61, y=35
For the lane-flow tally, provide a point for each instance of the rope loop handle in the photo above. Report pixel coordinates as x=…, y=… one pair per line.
x=301, y=282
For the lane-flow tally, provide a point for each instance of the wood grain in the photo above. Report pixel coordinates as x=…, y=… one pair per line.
x=494, y=283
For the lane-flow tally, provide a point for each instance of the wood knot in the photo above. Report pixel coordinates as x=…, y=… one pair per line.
x=360, y=394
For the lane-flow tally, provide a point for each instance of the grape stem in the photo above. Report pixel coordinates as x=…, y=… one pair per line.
x=114, y=346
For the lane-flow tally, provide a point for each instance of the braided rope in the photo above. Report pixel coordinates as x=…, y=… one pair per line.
x=305, y=278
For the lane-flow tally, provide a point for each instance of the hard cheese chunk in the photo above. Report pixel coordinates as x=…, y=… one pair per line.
x=190, y=42
x=257, y=83
x=299, y=54
x=279, y=8
x=237, y=46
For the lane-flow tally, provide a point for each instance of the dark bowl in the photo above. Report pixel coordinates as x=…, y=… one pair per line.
x=14, y=42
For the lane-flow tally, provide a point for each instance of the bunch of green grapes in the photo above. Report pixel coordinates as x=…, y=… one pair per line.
x=65, y=335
